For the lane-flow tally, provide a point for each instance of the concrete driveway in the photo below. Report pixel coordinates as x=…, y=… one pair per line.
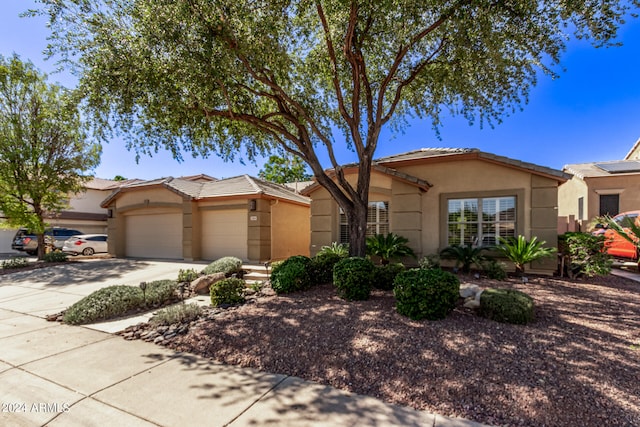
x=46, y=291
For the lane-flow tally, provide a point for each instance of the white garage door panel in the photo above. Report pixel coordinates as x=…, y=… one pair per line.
x=154, y=236
x=224, y=233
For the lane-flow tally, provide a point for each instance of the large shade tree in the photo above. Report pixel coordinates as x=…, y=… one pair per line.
x=44, y=153
x=230, y=76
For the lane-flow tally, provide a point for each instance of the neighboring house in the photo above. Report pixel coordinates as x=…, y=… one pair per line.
x=83, y=213
x=177, y=218
x=438, y=197
x=601, y=188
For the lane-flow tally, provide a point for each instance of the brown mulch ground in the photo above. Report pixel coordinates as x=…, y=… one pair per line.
x=576, y=365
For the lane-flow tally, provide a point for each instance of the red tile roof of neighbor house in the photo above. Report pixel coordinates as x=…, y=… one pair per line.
x=243, y=185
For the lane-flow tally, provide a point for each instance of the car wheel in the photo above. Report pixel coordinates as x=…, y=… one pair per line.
x=32, y=253
x=88, y=251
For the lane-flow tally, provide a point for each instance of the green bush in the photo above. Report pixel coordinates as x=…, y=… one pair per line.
x=188, y=275
x=227, y=291
x=227, y=265
x=55, y=256
x=353, y=277
x=178, y=313
x=494, y=270
x=430, y=261
x=426, y=294
x=294, y=274
x=506, y=306
x=17, y=262
x=384, y=275
x=585, y=253
x=160, y=291
x=322, y=267
x=104, y=304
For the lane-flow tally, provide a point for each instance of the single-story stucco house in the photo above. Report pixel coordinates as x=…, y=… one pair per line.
x=201, y=219
x=601, y=188
x=438, y=197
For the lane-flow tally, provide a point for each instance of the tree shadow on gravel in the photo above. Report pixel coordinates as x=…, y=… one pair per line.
x=576, y=365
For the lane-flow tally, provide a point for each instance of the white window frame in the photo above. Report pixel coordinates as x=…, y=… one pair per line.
x=503, y=227
x=376, y=224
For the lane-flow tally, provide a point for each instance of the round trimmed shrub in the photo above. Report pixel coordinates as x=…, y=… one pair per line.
x=507, y=306
x=353, y=277
x=322, y=266
x=227, y=265
x=227, y=291
x=426, y=294
x=294, y=274
x=384, y=275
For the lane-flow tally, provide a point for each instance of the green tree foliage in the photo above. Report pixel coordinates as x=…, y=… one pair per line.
x=44, y=153
x=235, y=76
x=284, y=169
x=521, y=251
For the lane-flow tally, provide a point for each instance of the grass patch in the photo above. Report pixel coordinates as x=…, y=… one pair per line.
x=115, y=301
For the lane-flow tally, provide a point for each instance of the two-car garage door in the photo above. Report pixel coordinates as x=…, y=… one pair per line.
x=154, y=235
x=224, y=233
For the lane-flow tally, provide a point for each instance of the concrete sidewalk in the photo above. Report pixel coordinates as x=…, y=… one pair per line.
x=59, y=375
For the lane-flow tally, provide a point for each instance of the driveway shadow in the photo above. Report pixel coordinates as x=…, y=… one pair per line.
x=77, y=272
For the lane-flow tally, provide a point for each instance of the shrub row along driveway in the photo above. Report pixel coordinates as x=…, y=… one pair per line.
x=576, y=365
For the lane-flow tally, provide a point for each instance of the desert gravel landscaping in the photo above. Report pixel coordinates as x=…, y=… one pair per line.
x=576, y=365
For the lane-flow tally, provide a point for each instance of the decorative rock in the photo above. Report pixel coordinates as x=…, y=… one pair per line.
x=468, y=290
x=472, y=303
x=202, y=284
x=158, y=340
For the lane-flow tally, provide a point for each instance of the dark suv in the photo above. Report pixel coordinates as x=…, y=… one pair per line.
x=26, y=241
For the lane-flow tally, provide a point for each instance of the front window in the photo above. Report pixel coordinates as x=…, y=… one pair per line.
x=480, y=221
x=377, y=221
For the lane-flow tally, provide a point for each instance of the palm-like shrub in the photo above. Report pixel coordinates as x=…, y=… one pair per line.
x=335, y=248
x=521, y=251
x=464, y=256
x=388, y=247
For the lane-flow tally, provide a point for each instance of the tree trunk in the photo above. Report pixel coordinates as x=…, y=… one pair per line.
x=357, y=226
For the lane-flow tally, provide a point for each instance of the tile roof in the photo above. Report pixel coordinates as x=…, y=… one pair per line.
x=243, y=185
x=591, y=170
x=426, y=153
x=107, y=184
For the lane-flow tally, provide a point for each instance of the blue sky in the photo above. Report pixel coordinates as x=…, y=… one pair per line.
x=590, y=113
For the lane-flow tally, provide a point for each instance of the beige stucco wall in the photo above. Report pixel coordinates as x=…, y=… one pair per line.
x=421, y=216
x=568, y=195
x=88, y=201
x=626, y=186
x=290, y=230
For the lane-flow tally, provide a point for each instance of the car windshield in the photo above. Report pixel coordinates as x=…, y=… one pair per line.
x=627, y=220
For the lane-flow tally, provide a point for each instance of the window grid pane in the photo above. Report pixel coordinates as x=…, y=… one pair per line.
x=469, y=226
